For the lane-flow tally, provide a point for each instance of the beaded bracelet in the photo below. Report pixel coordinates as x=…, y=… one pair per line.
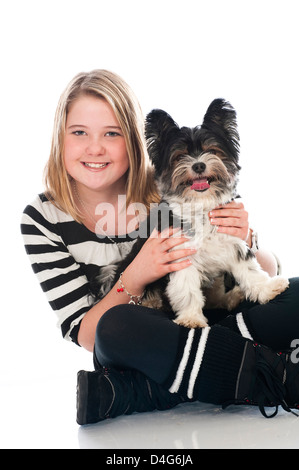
x=132, y=296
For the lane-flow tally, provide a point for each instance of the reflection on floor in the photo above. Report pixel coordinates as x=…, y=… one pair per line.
x=41, y=414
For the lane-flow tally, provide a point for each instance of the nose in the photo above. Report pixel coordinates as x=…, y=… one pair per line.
x=95, y=146
x=199, y=167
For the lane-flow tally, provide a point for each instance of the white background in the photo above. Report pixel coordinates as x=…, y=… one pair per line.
x=176, y=55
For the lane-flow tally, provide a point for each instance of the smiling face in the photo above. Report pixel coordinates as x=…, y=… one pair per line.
x=95, y=153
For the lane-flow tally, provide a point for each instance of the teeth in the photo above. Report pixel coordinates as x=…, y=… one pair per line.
x=95, y=165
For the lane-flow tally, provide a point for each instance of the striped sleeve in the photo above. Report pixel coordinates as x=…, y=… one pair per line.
x=60, y=276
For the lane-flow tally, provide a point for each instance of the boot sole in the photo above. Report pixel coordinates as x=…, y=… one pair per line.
x=82, y=397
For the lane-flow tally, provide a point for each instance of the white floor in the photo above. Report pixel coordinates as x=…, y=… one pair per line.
x=41, y=415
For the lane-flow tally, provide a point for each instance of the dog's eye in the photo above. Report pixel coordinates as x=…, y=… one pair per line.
x=178, y=157
x=216, y=151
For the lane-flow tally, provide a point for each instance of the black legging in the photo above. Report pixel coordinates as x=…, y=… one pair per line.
x=135, y=337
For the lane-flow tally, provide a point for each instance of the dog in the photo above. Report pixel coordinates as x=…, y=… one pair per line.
x=196, y=170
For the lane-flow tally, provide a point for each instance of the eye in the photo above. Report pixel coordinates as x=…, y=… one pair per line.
x=179, y=157
x=112, y=134
x=216, y=151
x=78, y=133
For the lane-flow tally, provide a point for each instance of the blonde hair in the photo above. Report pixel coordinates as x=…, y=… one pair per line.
x=112, y=88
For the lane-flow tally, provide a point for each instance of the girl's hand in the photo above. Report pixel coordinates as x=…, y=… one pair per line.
x=232, y=219
x=156, y=259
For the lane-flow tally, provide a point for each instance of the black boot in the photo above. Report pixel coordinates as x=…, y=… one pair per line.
x=216, y=365
x=267, y=379
x=107, y=393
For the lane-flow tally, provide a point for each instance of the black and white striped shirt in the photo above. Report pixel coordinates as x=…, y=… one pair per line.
x=66, y=257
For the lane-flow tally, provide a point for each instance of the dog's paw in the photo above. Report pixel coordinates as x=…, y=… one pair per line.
x=150, y=303
x=155, y=305
x=197, y=320
x=191, y=323
x=275, y=286
x=233, y=298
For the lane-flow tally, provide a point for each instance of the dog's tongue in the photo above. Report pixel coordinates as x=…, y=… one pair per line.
x=200, y=184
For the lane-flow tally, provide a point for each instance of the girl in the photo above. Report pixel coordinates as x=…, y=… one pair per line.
x=143, y=360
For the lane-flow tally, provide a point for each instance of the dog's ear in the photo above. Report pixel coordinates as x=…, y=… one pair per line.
x=161, y=131
x=221, y=120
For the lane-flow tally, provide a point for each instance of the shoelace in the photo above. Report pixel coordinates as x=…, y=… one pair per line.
x=269, y=389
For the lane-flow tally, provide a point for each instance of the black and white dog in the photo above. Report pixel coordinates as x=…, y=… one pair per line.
x=196, y=170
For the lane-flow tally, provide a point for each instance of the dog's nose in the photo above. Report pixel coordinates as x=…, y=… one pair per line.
x=199, y=167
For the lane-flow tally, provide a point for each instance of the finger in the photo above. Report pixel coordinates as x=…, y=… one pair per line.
x=166, y=233
x=231, y=205
x=154, y=234
x=171, y=267
x=229, y=222
x=228, y=212
x=234, y=231
x=170, y=232
x=240, y=217
x=172, y=242
x=174, y=255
